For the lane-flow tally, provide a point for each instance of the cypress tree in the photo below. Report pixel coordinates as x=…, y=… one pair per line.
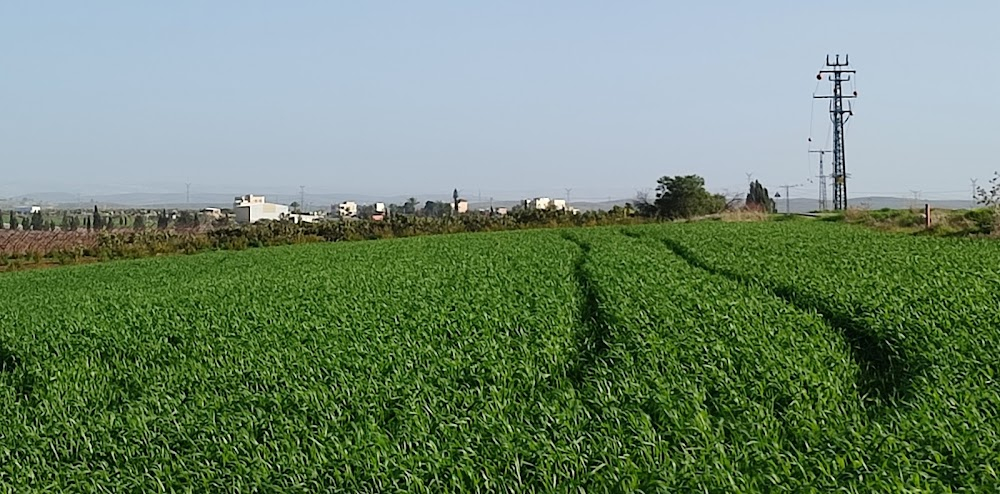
x=37, y=222
x=759, y=199
x=97, y=222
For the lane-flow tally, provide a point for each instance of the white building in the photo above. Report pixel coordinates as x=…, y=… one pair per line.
x=347, y=209
x=463, y=206
x=537, y=203
x=214, y=213
x=305, y=217
x=545, y=203
x=251, y=208
x=28, y=209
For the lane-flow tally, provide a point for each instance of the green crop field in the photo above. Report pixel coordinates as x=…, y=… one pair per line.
x=702, y=357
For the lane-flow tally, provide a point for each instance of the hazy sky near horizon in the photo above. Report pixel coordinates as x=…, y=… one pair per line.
x=508, y=98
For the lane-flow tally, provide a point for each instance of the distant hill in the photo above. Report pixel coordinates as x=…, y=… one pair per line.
x=800, y=205
x=324, y=201
x=179, y=201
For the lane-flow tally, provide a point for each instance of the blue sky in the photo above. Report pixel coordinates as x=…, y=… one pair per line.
x=507, y=98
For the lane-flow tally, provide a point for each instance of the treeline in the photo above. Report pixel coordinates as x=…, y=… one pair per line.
x=676, y=197
x=137, y=243
x=685, y=196
x=98, y=220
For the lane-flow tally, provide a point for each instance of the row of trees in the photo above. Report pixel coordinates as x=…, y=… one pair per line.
x=681, y=196
x=685, y=196
x=97, y=221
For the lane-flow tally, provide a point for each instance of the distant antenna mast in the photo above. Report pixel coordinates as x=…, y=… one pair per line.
x=838, y=74
x=187, y=193
x=822, y=178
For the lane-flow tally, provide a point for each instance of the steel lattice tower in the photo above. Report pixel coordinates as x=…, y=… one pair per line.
x=822, y=179
x=838, y=73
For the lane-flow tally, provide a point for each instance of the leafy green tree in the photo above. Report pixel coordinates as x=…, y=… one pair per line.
x=410, y=206
x=139, y=223
x=13, y=221
x=86, y=223
x=65, y=224
x=642, y=205
x=758, y=198
x=685, y=197
x=434, y=209
x=26, y=223
x=52, y=225
x=989, y=197
x=37, y=222
x=74, y=223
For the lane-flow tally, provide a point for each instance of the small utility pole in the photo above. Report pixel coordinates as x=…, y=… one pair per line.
x=822, y=179
x=788, y=200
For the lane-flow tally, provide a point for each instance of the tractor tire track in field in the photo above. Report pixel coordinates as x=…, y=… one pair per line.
x=885, y=372
x=595, y=333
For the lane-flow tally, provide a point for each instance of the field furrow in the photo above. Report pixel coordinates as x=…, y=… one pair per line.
x=921, y=315
x=707, y=385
